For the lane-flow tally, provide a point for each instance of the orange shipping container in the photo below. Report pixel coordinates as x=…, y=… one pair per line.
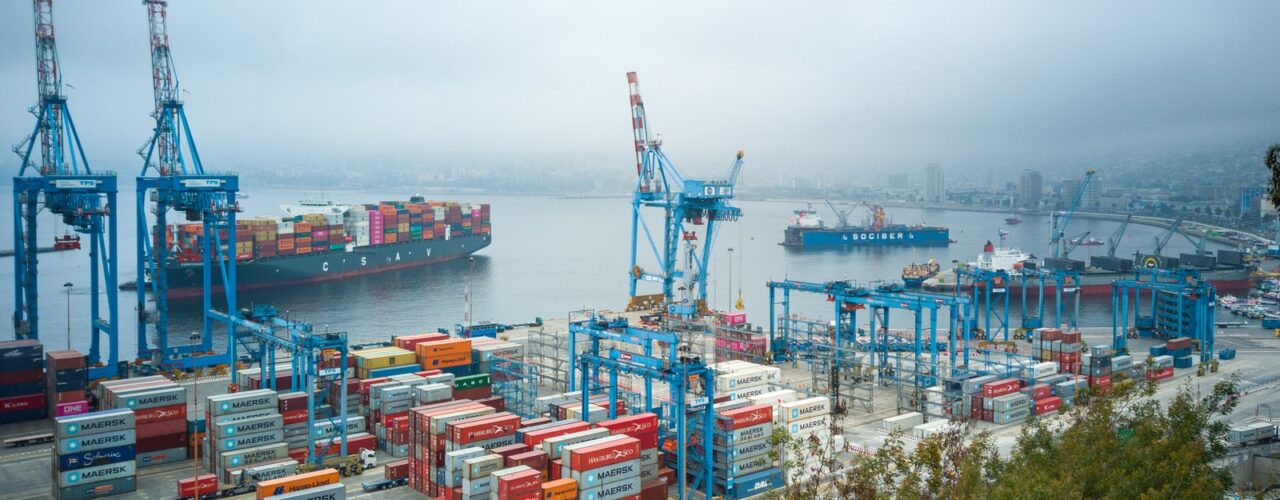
x=430, y=361
x=560, y=489
x=301, y=227
x=442, y=347
x=299, y=482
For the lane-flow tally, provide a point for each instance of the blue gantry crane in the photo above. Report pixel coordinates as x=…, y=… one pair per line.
x=1066, y=291
x=1058, y=221
x=266, y=334
x=684, y=201
x=85, y=199
x=174, y=179
x=1178, y=304
x=642, y=358
x=992, y=287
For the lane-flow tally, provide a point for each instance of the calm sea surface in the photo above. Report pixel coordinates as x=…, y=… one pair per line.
x=548, y=256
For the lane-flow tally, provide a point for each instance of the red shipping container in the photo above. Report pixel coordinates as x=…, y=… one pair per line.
x=1000, y=387
x=537, y=495
x=1047, y=405
x=149, y=416
x=20, y=403
x=632, y=425
x=396, y=469
x=975, y=412
x=187, y=487
x=293, y=402
x=536, y=460
x=366, y=383
x=535, y=437
x=1101, y=384
x=1178, y=343
x=1071, y=338
x=482, y=428
x=606, y=454
x=556, y=468
x=294, y=417
x=1041, y=391
x=161, y=428
x=508, y=450
x=653, y=490
x=1051, y=334
x=744, y=417
x=298, y=454
x=534, y=422
x=519, y=483
x=24, y=376
x=495, y=402
x=68, y=397
x=165, y=442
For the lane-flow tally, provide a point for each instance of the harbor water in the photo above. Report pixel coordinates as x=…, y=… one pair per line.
x=549, y=256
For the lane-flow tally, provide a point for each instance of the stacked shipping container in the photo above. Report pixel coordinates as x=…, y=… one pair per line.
x=160, y=410
x=66, y=379
x=362, y=225
x=94, y=455
x=22, y=395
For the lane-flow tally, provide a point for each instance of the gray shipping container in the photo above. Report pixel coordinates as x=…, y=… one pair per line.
x=335, y=491
x=250, y=456
x=127, y=484
x=158, y=457
x=254, y=425
x=96, y=441
x=250, y=440
x=239, y=402
x=327, y=428
x=168, y=396
x=93, y=423
x=96, y=474
x=236, y=417
x=615, y=490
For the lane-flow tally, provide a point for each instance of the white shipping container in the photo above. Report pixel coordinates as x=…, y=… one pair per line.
x=902, y=422
x=804, y=408
x=741, y=380
x=1045, y=369
x=554, y=446
x=809, y=426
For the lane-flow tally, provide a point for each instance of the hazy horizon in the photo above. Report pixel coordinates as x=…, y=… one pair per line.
x=866, y=87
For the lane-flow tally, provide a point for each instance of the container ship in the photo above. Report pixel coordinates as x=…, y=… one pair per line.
x=913, y=275
x=1227, y=271
x=807, y=230
x=325, y=241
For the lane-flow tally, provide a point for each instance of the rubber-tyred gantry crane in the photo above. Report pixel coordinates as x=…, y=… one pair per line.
x=176, y=180
x=683, y=201
x=64, y=183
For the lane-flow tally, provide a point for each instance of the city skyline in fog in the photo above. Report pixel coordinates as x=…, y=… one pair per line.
x=823, y=86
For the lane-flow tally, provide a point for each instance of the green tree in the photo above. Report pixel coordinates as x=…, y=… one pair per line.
x=1272, y=161
x=1123, y=444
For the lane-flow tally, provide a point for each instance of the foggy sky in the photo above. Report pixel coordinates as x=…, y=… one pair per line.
x=798, y=85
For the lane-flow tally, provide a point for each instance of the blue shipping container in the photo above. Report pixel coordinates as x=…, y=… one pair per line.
x=1183, y=362
x=755, y=484
x=459, y=371
x=394, y=370
x=73, y=461
x=1156, y=350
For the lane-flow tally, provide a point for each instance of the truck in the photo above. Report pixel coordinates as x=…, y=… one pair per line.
x=350, y=465
x=383, y=484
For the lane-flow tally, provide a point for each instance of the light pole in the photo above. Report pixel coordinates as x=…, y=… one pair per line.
x=730, y=278
x=68, y=286
x=471, y=271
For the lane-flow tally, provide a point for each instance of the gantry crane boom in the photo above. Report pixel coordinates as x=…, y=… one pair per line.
x=1114, y=241
x=85, y=200
x=1059, y=220
x=683, y=201
x=178, y=182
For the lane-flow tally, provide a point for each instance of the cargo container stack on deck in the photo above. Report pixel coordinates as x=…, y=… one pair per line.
x=22, y=395
x=94, y=455
x=226, y=415
x=340, y=243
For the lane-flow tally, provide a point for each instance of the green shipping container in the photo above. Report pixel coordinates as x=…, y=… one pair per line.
x=471, y=382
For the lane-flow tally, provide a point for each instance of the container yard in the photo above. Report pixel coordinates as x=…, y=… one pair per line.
x=664, y=397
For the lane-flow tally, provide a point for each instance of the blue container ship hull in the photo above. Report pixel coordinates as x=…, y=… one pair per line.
x=800, y=237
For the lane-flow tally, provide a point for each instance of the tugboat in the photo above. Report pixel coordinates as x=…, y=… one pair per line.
x=67, y=242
